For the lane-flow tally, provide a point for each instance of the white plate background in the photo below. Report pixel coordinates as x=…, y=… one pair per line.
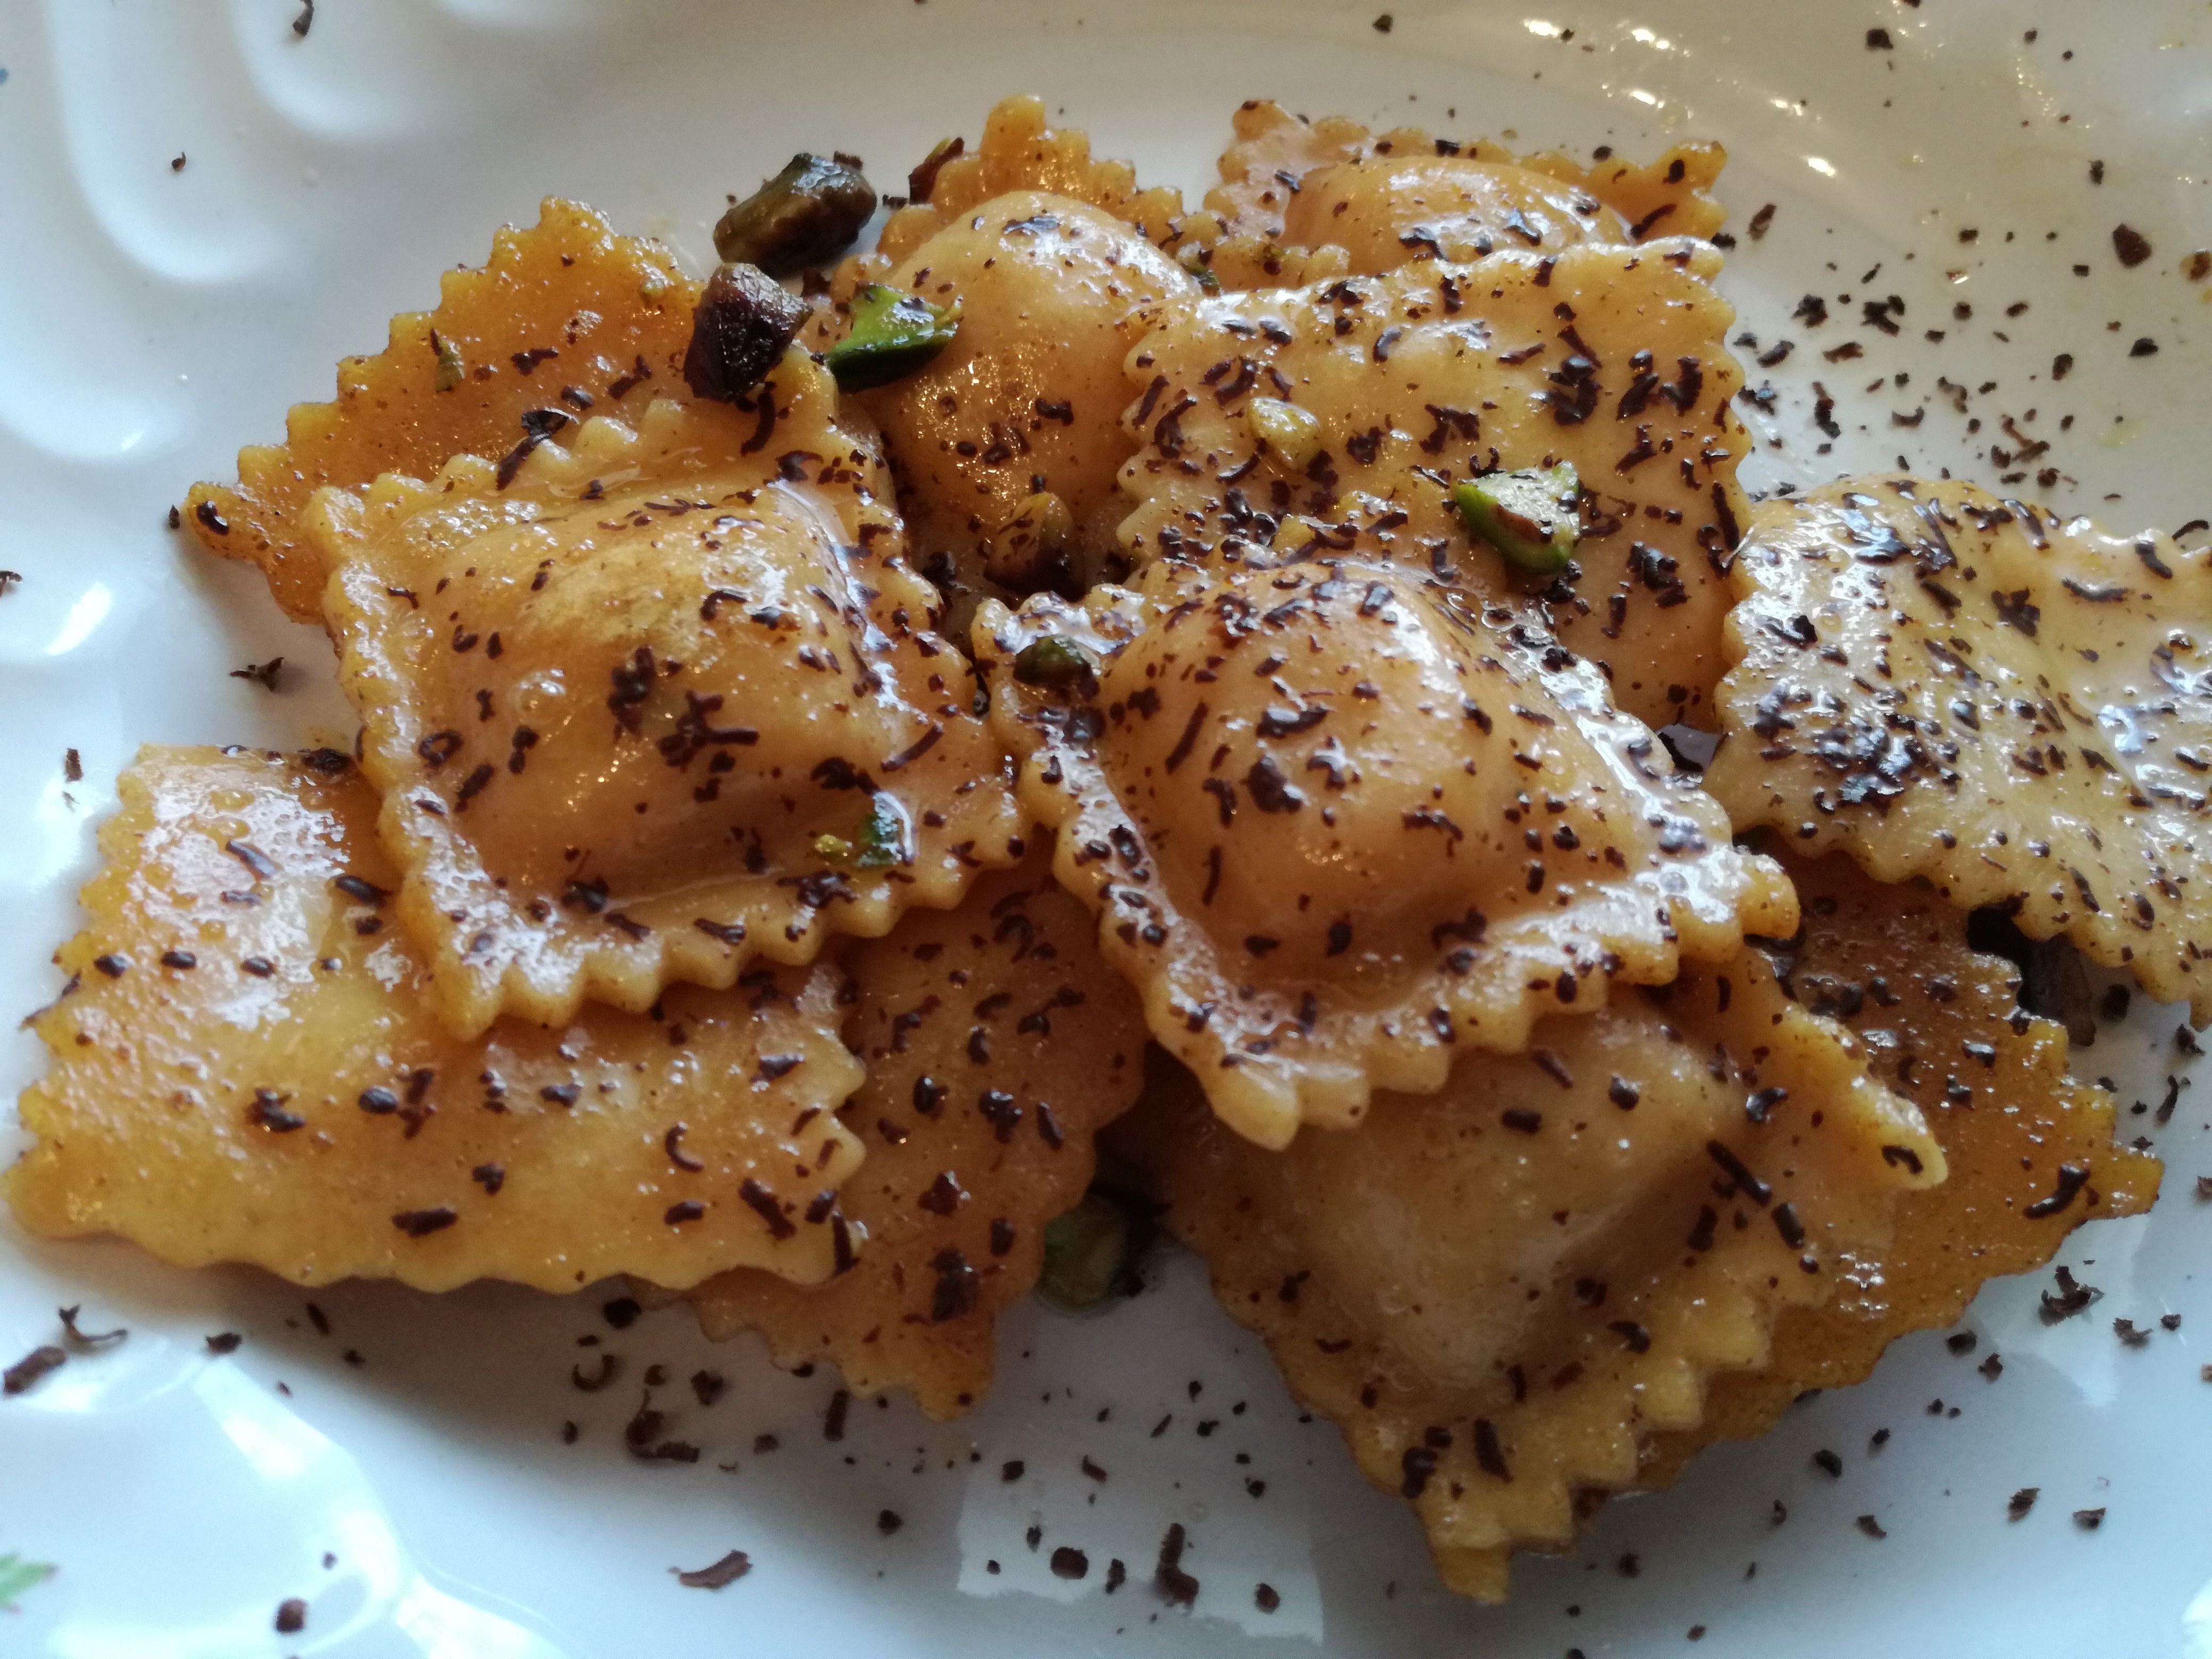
x=152, y=320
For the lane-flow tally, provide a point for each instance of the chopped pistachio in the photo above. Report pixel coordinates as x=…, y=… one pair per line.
x=883, y=837
x=1528, y=516
x=1052, y=661
x=1193, y=259
x=451, y=368
x=1291, y=433
x=744, y=321
x=921, y=183
x=893, y=335
x=879, y=843
x=1084, y=1252
x=1029, y=552
x=805, y=216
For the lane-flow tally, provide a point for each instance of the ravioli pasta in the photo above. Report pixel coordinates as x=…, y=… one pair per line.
x=646, y=708
x=1291, y=188
x=567, y=315
x=1339, y=822
x=2030, y=1151
x=1612, y=359
x=2015, y=706
x=997, y=1044
x=1501, y=1291
x=245, y=1068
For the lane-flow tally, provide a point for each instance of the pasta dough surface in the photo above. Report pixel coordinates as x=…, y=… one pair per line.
x=566, y=314
x=1501, y=1291
x=997, y=1044
x=245, y=1068
x=2030, y=1151
x=1340, y=821
x=647, y=707
x=1612, y=359
x=2018, y=707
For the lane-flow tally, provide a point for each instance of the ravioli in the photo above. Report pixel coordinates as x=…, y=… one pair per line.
x=566, y=315
x=245, y=1068
x=1026, y=402
x=2015, y=706
x=1293, y=187
x=1020, y=151
x=2030, y=1151
x=1502, y=1291
x=646, y=708
x=1340, y=822
x=997, y=1044
x=1612, y=359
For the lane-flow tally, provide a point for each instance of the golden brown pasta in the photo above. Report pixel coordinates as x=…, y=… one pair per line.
x=1612, y=359
x=2017, y=707
x=997, y=1044
x=1340, y=821
x=2030, y=1151
x=1292, y=188
x=1026, y=402
x=646, y=708
x=565, y=315
x=1502, y=1291
x=245, y=1068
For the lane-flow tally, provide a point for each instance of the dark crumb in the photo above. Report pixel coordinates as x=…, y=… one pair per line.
x=224, y=1342
x=1961, y=1342
x=1696, y=1633
x=764, y=1444
x=1116, y=1575
x=72, y=765
x=1011, y=1469
x=1871, y=1527
x=1992, y=1368
x=1265, y=1598
x=2169, y=1321
x=305, y=20
x=33, y=1368
x=1877, y=1440
x=1068, y=1562
x=1629, y=1566
x=263, y=674
x=291, y=1616
x=176, y=520
x=1879, y=40
x=1177, y=1587
x=1778, y=1514
x=2204, y=1186
x=2089, y=1519
x=1382, y=23
x=2130, y=245
x=2130, y=1333
x=177, y=162
x=833, y=1419
x=727, y=1571
x=318, y=1319
x=2071, y=1298
x=1828, y=1462
x=2021, y=1503
x=1760, y=220
x=353, y=1357
x=78, y=1338
x=568, y=1433
x=621, y=1313
x=707, y=1386
x=2145, y=347
x=10, y=577
x=889, y=1522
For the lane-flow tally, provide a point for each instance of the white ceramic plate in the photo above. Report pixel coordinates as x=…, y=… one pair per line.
x=421, y=1502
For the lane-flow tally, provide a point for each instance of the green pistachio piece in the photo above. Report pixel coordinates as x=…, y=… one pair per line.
x=451, y=368
x=1083, y=1253
x=893, y=335
x=1291, y=433
x=877, y=844
x=1527, y=516
x=805, y=216
x=1052, y=661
